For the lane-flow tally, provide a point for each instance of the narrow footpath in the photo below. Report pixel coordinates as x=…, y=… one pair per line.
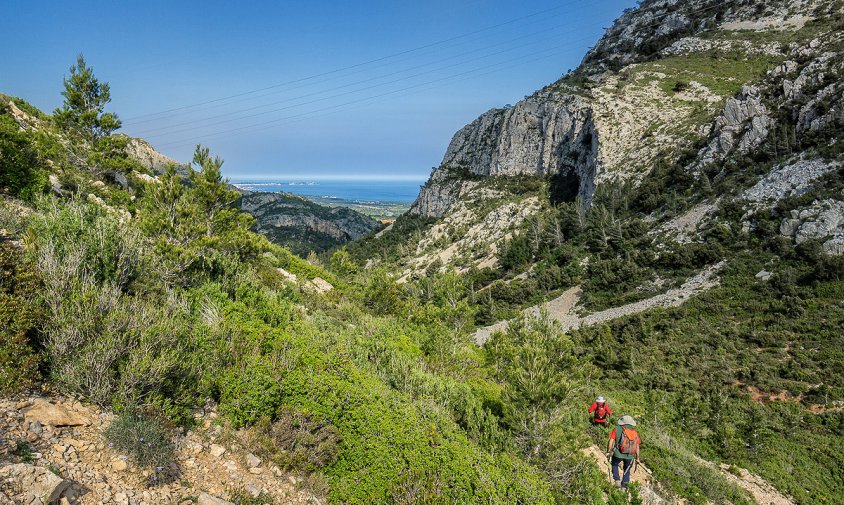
x=563, y=308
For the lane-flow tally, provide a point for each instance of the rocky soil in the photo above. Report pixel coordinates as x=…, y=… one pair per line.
x=53, y=451
x=472, y=236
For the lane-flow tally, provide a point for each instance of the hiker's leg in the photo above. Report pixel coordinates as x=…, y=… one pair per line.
x=628, y=467
x=615, y=462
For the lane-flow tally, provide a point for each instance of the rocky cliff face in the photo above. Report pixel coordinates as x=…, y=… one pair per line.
x=302, y=225
x=626, y=104
x=705, y=86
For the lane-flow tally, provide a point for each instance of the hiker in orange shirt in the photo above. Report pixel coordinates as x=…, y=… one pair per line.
x=623, y=449
x=600, y=412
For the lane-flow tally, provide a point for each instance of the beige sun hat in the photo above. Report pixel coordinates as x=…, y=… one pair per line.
x=626, y=421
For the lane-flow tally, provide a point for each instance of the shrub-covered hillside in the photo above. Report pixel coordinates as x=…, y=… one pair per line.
x=151, y=294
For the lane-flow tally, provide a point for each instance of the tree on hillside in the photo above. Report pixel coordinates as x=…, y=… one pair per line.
x=193, y=220
x=85, y=98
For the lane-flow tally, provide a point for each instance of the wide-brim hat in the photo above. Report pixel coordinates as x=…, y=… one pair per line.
x=627, y=421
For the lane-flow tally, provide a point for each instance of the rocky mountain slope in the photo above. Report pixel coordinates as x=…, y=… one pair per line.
x=674, y=206
x=303, y=226
x=704, y=81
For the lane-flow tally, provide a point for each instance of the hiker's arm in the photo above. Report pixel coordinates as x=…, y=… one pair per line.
x=610, y=445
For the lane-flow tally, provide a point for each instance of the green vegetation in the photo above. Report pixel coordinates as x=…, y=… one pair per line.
x=23, y=451
x=144, y=438
x=309, y=226
x=722, y=74
x=156, y=297
x=154, y=304
x=21, y=173
x=83, y=111
x=296, y=440
x=18, y=320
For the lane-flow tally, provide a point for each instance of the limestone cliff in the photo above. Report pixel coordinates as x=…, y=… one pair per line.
x=630, y=102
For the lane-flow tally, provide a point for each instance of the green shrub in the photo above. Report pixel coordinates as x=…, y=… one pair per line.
x=78, y=240
x=101, y=339
x=143, y=437
x=24, y=452
x=21, y=173
x=249, y=392
x=18, y=319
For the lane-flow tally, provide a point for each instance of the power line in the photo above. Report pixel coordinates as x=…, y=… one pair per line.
x=603, y=39
x=356, y=65
x=316, y=93
x=380, y=95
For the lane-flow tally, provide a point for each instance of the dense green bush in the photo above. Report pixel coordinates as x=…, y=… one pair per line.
x=21, y=173
x=250, y=392
x=19, y=317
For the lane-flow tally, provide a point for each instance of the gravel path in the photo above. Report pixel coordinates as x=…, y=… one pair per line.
x=562, y=308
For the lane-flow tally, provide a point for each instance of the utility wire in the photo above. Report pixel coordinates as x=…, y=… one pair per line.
x=603, y=39
x=356, y=65
x=230, y=118
x=380, y=95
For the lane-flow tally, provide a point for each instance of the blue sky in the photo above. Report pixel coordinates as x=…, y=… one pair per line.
x=372, y=88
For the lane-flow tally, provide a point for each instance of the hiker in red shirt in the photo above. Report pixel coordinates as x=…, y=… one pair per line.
x=600, y=412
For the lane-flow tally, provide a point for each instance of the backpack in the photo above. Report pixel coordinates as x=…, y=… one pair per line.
x=627, y=441
x=601, y=412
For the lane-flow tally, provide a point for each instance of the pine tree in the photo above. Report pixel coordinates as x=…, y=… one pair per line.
x=83, y=111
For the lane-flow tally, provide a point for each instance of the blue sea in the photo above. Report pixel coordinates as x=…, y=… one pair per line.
x=361, y=191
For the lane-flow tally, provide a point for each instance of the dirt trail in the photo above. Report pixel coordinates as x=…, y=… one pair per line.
x=761, y=490
x=638, y=474
x=562, y=308
x=758, y=488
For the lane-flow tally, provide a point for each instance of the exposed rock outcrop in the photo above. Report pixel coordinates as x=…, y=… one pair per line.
x=788, y=180
x=607, y=129
x=823, y=220
x=743, y=126
x=548, y=133
x=33, y=485
x=143, y=152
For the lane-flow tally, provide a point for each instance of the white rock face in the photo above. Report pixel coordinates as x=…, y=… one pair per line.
x=789, y=180
x=823, y=220
x=742, y=126
x=547, y=133
x=143, y=152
